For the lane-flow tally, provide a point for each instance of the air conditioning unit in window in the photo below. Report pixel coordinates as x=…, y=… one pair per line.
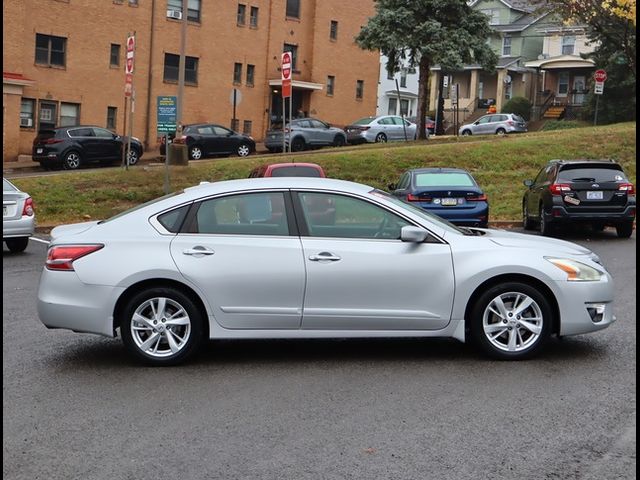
x=26, y=122
x=177, y=14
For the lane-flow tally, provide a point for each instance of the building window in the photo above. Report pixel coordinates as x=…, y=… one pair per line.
x=403, y=78
x=333, y=32
x=253, y=19
x=331, y=82
x=237, y=73
x=251, y=69
x=293, y=8
x=235, y=124
x=242, y=12
x=493, y=14
x=359, y=89
x=568, y=44
x=172, y=67
x=246, y=127
x=50, y=50
x=393, y=106
x=112, y=115
x=193, y=8
x=404, y=107
x=69, y=114
x=27, y=108
x=506, y=46
x=133, y=2
x=563, y=84
x=294, y=54
x=114, y=58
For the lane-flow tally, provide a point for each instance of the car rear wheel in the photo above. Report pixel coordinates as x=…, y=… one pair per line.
x=161, y=326
x=195, y=152
x=624, y=230
x=133, y=156
x=381, y=138
x=527, y=223
x=501, y=131
x=545, y=225
x=71, y=161
x=243, y=150
x=17, y=245
x=339, y=141
x=466, y=132
x=511, y=321
x=298, y=145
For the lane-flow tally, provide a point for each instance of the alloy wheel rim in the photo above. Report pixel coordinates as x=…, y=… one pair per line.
x=243, y=150
x=196, y=153
x=132, y=157
x=73, y=160
x=512, y=322
x=160, y=327
x=381, y=138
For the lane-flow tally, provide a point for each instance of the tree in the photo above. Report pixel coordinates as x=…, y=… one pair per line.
x=425, y=33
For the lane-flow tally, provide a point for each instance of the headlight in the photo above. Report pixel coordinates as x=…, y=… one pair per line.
x=576, y=271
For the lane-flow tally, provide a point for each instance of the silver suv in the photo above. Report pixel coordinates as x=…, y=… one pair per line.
x=305, y=133
x=496, y=123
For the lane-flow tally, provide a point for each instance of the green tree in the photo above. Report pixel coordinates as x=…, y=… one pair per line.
x=427, y=33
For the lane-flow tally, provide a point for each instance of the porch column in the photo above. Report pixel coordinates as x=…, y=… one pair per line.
x=434, y=78
x=473, y=93
x=502, y=73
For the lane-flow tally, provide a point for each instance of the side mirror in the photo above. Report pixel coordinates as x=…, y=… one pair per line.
x=116, y=137
x=528, y=183
x=476, y=123
x=413, y=234
x=393, y=186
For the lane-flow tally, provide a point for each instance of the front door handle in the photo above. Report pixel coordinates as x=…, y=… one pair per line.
x=325, y=256
x=198, y=251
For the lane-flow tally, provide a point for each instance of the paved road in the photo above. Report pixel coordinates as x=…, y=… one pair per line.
x=75, y=407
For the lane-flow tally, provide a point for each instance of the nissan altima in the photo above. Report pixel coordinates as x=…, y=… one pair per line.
x=298, y=257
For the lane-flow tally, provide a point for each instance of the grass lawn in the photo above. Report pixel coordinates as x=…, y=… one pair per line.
x=499, y=164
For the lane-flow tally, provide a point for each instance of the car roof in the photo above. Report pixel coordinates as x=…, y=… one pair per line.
x=606, y=161
x=292, y=164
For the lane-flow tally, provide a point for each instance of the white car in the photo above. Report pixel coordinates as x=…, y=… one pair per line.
x=298, y=257
x=18, y=217
x=381, y=129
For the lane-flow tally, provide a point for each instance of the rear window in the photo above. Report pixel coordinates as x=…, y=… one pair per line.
x=363, y=121
x=518, y=118
x=45, y=134
x=445, y=179
x=172, y=220
x=8, y=186
x=604, y=173
x=295, y=172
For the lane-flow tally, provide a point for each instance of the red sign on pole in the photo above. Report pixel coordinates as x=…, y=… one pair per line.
x=600, y=75
x=128, y=65
x=286, y=74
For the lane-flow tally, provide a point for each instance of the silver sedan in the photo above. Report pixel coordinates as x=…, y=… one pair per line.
x=313, y=258
x=18, y=217
x=381, y=129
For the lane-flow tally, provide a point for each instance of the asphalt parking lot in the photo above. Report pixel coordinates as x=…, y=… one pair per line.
x=76, y=407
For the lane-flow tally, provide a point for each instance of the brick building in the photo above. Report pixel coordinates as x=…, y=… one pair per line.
x=63, y=63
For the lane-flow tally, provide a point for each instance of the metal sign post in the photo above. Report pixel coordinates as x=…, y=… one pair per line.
x=599, y=76
x=286, y=67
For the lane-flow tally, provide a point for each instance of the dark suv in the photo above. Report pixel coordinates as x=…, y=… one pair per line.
x=72, y=147
x=588, y=191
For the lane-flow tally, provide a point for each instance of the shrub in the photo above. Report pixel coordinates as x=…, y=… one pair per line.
x=519, y=106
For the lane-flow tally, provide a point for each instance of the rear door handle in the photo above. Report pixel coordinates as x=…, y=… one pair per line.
x=325, y=256
x=198, y=251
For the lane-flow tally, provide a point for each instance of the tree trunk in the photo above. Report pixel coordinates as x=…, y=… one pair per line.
x=423, y=80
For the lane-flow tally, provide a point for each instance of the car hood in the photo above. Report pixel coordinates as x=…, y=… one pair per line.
x=544, y=244
x=71, y=229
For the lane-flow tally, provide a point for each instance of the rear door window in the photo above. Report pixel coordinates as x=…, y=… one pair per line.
x=81, y=132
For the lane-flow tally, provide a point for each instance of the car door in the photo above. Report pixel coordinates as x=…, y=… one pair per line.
x=360, y=276
x=482, y=126
x=323, y=132
x=225, y=140
x=244, y=254
x=109, y=147
x=86, y=138
x=385, y=125
x=535, y=196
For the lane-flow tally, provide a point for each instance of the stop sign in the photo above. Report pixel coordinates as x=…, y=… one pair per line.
x=600, y=76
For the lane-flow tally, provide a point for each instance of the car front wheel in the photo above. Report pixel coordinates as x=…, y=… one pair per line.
x=161, y=326
x=133, y=156
x=466, y=133
x=195, y=153
x=511, y=321
x=526, y=220
x=501, y=131
x=243, y=150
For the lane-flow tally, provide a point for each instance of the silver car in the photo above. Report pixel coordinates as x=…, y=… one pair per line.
x=381, y=129
x=305, y=133
x=495, y=124
x=18, y=217
x=299, y=257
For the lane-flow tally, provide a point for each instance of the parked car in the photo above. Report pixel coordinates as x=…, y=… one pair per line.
x=18, y=217
x=208, y=139
x=430, y=124
x=73, y=147
x=499, y=124
x=288, y=170
x=304, y=133
x=451, y=193
x=381, y=129
x=596, y=192
x=249, y=259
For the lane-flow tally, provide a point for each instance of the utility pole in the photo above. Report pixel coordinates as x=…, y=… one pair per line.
x=182, y=64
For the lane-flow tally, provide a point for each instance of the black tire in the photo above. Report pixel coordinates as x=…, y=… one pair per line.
x=187, y=337
x=598, y=227
x=501, y=131
x=195, y=152
x=72, y=160
x=298, y=144
x=546, y=228
x=527, y=223
x=134, y=156
x=339, y=141
x=381, y=138
x=624, y=230
x=493, y=334
x=466, y=133
x=17, y=245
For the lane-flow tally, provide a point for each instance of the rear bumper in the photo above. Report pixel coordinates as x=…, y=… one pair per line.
x=477, y=216
x=21, y=227
x=560, y=214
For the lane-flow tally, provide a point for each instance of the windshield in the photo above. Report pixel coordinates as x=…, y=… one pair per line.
x=363, y=121
x=439, y=221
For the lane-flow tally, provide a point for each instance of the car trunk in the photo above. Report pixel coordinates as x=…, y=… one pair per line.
x=459, y=197
x=594, y=197
x=12, y=205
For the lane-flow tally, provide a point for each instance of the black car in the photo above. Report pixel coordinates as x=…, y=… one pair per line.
x=208, y=139
x=587, y=191
x=73, y=147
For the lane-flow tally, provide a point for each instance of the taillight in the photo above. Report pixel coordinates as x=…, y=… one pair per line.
x=559, y=188
x=287, y=130
x=50, y=141
x=414, y=198
x=479, y=198
x=62, y=257
x=28, y=207
x=627, y=187
x=510, y=122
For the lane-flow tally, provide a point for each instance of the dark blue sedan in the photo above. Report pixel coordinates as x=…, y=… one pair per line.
x=451, y=193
